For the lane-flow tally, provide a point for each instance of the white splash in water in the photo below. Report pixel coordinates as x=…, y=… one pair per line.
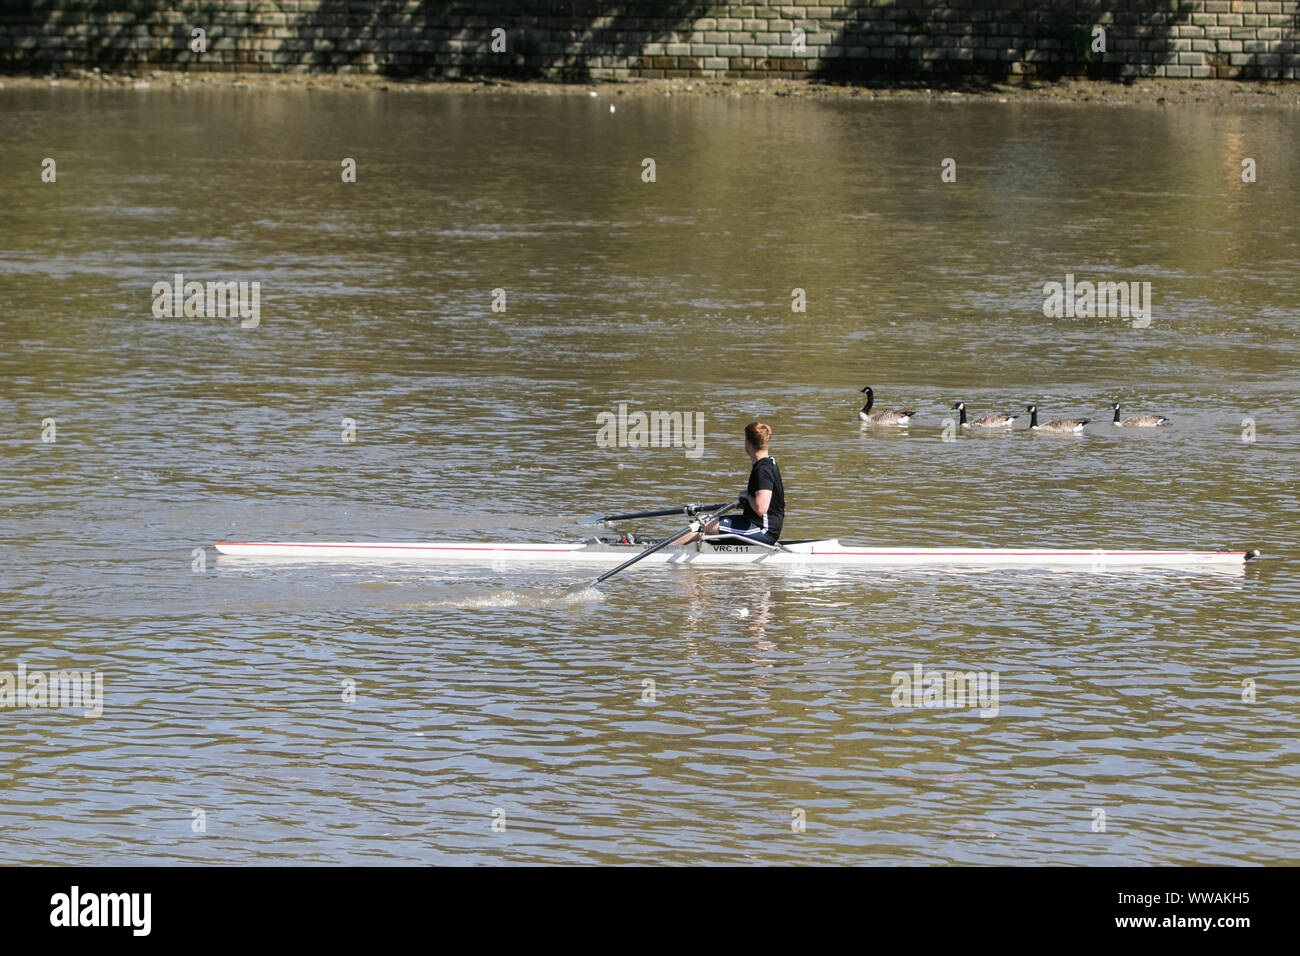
x=589, y=594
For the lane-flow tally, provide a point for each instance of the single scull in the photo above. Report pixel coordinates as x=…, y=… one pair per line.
x=719, y=551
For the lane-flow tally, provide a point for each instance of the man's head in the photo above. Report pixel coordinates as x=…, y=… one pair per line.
x=757, y=435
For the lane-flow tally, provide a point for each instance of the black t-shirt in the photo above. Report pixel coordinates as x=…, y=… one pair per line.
x=765, y=476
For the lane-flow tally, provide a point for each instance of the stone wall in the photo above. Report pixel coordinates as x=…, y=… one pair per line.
x=865, y=41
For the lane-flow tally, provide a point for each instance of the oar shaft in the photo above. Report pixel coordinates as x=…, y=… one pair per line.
x=693, y=526
x=685, y=510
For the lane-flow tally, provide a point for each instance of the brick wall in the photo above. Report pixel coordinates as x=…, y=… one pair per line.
x=867, y=40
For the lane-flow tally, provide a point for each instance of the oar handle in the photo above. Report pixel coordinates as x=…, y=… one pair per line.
x=715, y=511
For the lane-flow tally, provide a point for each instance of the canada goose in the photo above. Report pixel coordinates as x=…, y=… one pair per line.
x=1138, y=421
x=890, y=417
x=1061, y=426
x=991, y=420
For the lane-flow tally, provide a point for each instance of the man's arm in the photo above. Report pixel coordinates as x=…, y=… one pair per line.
x=760, y=500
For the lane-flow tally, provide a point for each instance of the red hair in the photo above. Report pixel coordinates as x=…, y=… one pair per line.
x=758, y=435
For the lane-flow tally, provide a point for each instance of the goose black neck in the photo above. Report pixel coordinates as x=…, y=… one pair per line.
x=1116, y=413
x=962, y=409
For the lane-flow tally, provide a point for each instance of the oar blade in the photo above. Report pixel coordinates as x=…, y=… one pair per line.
x=582, y=592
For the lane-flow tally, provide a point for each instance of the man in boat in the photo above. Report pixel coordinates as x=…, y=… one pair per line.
x=763, y=501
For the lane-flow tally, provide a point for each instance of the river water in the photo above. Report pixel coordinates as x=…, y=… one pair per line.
x=311, y=713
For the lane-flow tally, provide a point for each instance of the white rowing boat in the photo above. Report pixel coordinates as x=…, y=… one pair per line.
x=829, y=552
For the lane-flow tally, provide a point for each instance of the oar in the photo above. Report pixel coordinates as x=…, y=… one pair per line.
x=695, y=525
x=684, y=510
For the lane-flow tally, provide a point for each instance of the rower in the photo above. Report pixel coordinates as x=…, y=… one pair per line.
x=763, y=501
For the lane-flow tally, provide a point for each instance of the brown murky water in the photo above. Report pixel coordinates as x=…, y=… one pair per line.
x=482, y=695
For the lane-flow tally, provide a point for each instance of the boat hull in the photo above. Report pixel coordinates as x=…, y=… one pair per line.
x=827, y=553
